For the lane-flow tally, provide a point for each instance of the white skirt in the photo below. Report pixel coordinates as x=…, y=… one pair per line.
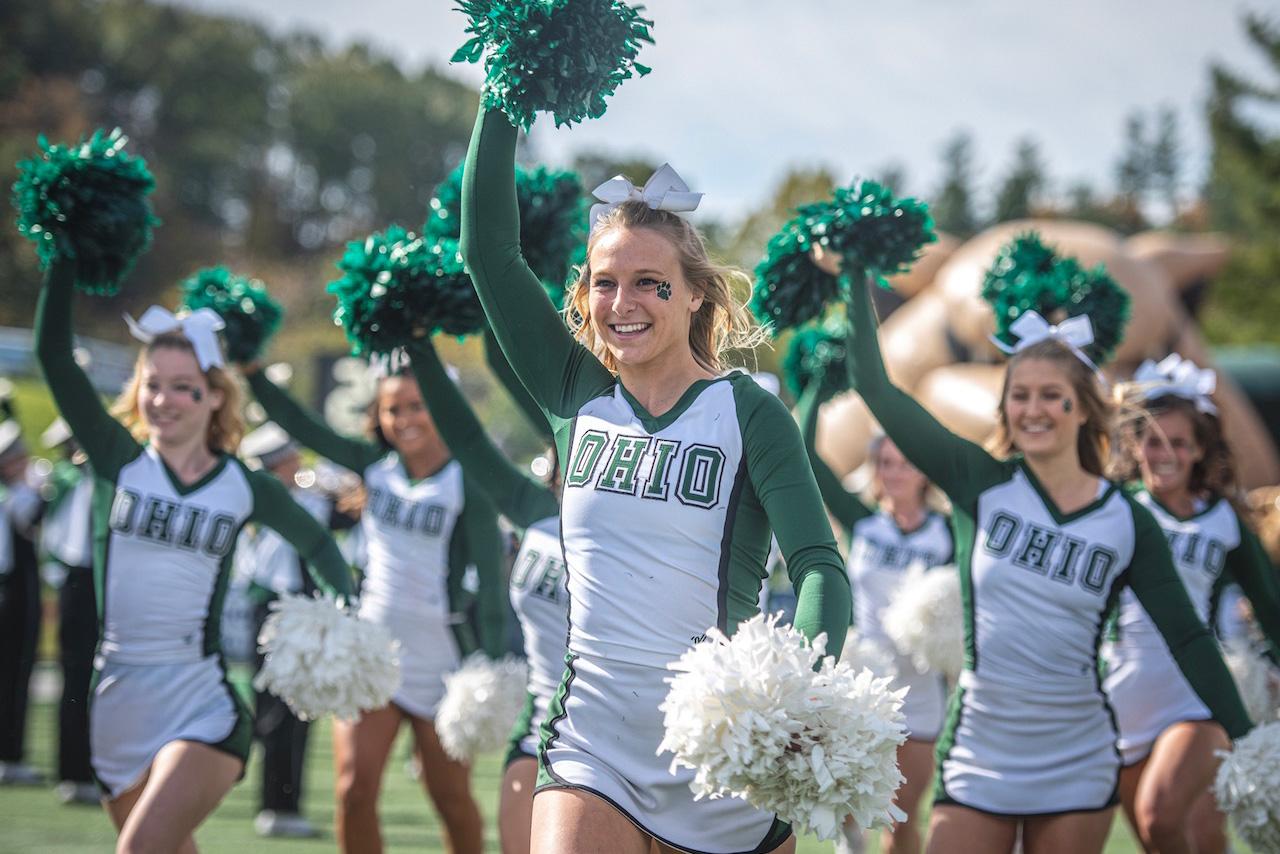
x=925, y=706
x=136, y=709
x=602, y=737
x=428, y=650
x=1149, y=694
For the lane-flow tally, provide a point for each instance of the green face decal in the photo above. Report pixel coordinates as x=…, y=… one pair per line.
x=664, y=291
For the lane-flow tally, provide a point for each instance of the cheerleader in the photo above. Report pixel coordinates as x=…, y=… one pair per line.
x=1044, y=544
x=673, y=476
x=169, y=736
x=424, y=522
x=900, y=532
x=537, y=586
x=1174, y=452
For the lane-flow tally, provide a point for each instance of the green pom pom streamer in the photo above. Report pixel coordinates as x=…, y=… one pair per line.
x=564, y=57
x=818, y=353
x=396, y=288
x=876, y=235
x=1028, y=275
x=87, y=204
x=251, y=316
x=553, y=222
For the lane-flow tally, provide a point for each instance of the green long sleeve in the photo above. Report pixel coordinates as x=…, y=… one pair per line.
x=845, y=506
x=478, y=542
x=559, y=373
x=1247, y=564
x=960, y=468
x=501, y=369
x=1154, y=579
x=274, y=507
x=310, y=429
x=518, y=497
x=105, y=441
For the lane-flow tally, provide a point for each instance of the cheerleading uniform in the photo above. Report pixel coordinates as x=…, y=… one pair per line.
x=420, y=536
x=537, y=586
x=665, y=525
x=1211, y=548
x=1029, y=731
x=162, y=556
x=880, y=553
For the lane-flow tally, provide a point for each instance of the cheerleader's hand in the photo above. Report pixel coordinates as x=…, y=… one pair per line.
x=826, y=260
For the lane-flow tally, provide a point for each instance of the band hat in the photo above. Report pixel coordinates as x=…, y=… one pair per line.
x=268, y=445
x=56, y=433
x=11, y=443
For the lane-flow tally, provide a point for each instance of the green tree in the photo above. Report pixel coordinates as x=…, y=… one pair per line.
x=953, y=204
x=1166, y=160
x=1020, y=189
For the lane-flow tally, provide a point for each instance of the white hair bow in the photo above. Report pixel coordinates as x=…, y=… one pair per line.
x=664, y=191
x=1075, y=332
x=200, y=327
x=1179, y=377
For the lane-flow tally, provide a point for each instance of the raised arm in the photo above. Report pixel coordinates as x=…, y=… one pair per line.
x=1155, y=581
x=517, y=496
x=559, y=373
x=309, y=428
x=105, y=440
x=480, y=545
x=274, y=507
x=959, y=467
x=501, y=369
x=846, y=507
x=1249, y=566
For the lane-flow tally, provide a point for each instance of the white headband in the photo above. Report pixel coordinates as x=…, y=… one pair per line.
x=1174, y=375
x=200, y=327
x=664, y=191
x=1075, y=332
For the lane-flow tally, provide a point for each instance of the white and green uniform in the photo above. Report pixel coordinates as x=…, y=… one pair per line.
x=1029, y=731
x=537, y=586
x=420, y=537
x=665, y=525
x=1211, y=548
x=162, y=557
x=879, y=555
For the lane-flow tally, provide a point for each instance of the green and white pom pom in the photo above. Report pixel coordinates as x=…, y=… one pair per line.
x=818, y=353
x=250, y=314
x=874, y=233
x=395, y=288
x=87, y=203
x=564, y=57
x=1028, y=275
x=553, y=222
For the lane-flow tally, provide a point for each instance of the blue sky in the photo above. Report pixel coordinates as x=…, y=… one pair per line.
x=744, y=89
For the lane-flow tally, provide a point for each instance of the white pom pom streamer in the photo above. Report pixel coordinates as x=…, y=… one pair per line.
x=1253, y=679
x=753, y=720
x=925, y=620
x=1248, y=788
x=482, y=700
x=861, y=651
x=322, y=660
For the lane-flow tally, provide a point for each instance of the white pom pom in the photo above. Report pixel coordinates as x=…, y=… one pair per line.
x=482, y=700
x=322, y=660
x=925, y=620
x=754, y=720
x=1248, y=788
x=1253, y=679
x=861, y=651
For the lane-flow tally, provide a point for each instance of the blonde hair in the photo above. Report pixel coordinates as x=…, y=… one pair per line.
x=721, y=324
x=226, y=424
x=1094, y=441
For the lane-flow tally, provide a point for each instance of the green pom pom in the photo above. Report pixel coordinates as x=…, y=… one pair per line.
x=875, y=234
x=817, y=353
x=553, y=222
x=558, y=56
x=396, y=288
x=250, y=314
x=1028, y=275
x=87, y=203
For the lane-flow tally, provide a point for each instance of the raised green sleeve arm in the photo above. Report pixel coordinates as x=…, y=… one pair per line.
x=274, y=507
x=783, y=481
x=520, y=498
x=105, y=441
x=559, y=373
x=959, y=467
x=1154, y=579
x=310, y=429
x=1248, y=564
x=846, y=507
x=501, y=369
x=482, y=547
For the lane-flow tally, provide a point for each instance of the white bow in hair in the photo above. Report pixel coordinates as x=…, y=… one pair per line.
x=200, y=327
x=1031, y=328
x=1179, y=377
x=664, y=191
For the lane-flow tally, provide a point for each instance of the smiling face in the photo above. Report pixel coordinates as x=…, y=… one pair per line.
x=1042, y=411
x=403, y=417
x=175, y=401
x=1167, y=451
x=640, y=305
x=898, y=480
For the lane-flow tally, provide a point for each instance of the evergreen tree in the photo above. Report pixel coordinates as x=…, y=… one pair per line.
x=953, y=204
x=1021, y=187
